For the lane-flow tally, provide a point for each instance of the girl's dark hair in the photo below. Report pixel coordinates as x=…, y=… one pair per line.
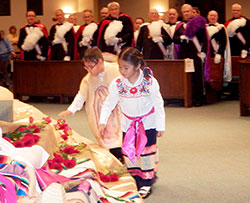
x=133, y=56
x=12, y=27
x=92, y=54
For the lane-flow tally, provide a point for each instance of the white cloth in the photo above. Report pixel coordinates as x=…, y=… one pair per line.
x=136, y=106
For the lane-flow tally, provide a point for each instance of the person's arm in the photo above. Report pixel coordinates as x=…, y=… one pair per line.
x=77, y=103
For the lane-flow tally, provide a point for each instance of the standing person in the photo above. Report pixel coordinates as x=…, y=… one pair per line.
x=138, y=22
x=172, y=23
x=114, y=32
x=5, y=51
x=13, y=37
x=85, y=34
x=196, y=11
x=33, y=39
x=104, y=13
x=238, y=28
x=192, y=39
x=143, y=117
x=219, y=44
x=93, y=91
x=61, y=38
x=153, y=37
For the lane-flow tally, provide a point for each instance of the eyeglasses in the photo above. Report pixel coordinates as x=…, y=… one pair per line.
x=89, y=67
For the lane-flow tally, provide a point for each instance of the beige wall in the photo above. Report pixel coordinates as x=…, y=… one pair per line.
x=18, y=10
x=245, y=8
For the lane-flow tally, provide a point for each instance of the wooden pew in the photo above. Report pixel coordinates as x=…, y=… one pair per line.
x=174, y=82
x=62, y=78
x=47, y=78
x=244, y=87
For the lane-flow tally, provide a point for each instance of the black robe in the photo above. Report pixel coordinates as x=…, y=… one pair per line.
x=126, y=34
x=235, y=44
x=221, y=39
x=148, y=47
x=187, y=49
x=42, y=42
x=57, y=51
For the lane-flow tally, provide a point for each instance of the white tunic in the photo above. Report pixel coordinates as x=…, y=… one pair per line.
x=134, y=102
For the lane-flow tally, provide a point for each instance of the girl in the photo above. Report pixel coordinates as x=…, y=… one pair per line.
x=143, y=117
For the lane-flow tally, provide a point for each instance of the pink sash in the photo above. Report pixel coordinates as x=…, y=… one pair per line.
x=135, y=138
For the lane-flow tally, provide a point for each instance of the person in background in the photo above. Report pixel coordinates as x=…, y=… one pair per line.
x=138, y=22
x=238, y=28
x=153, y=37
x=219, y=44
x=143, y=117
x=61, y=38
x=192, y=41
x=93, y=91
x=104, y=13
x=172, y=22
x=114, y=32
x=6, y=51
x=84, y=38
x=72, y=19
x=196, y=11
x=33, y=39
x=13, y=37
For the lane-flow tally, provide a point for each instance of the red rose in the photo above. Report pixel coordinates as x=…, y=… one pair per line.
x=57, y=126
x=46, y=120
x=31, y=119
x=28, y=141
x=22, y=129
x=64, y=136
x=61, y=121
x=63, y=126
x=69, y=163
x=104, y=178
x=67, y=130
x=58, y=159
x=56, y=166
x=69, y=150
x=36, y=138
x=18, y=144
x=114, y=177
x=133, y=90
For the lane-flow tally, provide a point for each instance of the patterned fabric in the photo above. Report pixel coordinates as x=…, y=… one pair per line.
x=145, y=167
x=15, y=172
x=138, y=91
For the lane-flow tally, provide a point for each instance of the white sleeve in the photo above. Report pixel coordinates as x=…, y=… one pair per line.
x=77, y=103
x=110, y=103
x=158, y=105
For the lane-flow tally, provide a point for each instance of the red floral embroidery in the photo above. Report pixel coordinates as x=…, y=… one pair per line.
x=133, y=90
x=118, y=80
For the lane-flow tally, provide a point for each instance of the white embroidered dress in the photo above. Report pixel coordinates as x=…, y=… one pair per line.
x=135, y=100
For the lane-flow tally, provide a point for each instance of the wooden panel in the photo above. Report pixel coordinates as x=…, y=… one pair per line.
x=174, y=82
x=244, y=87
x=47, y=78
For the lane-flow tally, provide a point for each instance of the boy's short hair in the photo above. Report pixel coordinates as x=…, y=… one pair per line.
x=93, y=54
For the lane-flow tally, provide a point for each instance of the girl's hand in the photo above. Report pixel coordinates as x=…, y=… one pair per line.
x=160, y=133
x=65, y=113
x=101, y=130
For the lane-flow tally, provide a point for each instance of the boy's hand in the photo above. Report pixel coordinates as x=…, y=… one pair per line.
x=160, y=133
x=65, y=113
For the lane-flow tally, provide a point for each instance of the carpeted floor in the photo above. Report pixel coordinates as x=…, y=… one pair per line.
x=204, y=154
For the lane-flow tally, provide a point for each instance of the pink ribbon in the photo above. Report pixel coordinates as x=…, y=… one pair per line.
x=135, y=138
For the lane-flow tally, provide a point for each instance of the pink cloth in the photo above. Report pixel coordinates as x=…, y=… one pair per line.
x=7, y=190
x=135, y=138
